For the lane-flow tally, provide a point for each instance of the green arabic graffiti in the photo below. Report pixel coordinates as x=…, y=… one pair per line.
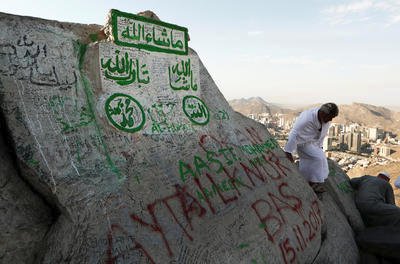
x=143, y=33
x=79, y=117
x=181, y=76
x=196, y=110
x=125, y=112
x=124, y=70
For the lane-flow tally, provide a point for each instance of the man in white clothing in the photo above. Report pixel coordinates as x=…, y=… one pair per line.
x=306, y=137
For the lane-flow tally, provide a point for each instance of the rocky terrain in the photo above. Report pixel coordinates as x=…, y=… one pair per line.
x=118, y=147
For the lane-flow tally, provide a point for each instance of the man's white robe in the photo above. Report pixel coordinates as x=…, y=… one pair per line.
x=306, y=137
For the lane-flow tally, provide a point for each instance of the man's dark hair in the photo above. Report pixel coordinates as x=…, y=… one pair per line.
x=330, y=109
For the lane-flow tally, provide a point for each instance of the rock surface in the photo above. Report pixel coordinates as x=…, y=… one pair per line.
x=142, y=159
x=24, y=216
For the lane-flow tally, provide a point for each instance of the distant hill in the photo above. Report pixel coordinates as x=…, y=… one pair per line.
x=256, y=105
x=363, y=114
x=369, y=115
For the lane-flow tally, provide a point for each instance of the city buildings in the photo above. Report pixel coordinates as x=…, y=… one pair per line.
x=349, y=144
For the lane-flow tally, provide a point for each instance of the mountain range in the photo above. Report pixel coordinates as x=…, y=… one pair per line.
x=257, y=105
x=360, y=113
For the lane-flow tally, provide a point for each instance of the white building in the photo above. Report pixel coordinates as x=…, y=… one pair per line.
x=327, y=143
x=373, y=133
x=384, y=151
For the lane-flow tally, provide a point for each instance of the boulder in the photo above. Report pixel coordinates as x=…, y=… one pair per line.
x=339, y=188
x=338, y=244
x=25, y=217
x=124, y=134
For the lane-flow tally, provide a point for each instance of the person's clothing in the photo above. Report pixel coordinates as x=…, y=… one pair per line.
x=397, y=182
x=306, y=137
x=313, y=164
x=375, y=201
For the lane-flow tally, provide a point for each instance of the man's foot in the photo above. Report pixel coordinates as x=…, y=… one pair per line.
x=318, y=187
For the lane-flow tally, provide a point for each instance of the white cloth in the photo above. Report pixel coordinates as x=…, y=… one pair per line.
x=313, y=164
x=306, y=130
x=397, y=182
x=306, y=137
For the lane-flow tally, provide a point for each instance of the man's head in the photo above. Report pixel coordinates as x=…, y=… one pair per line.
x=384, y=175
x=327, y=112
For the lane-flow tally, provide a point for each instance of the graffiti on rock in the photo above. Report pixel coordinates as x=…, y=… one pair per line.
x=219, y=175
x=163, y=116
x=196, y=110
x=181, y=76
x=174, y=79
x=70, y=113
x=144, y=33
x=125, y=112
x=218, y=158
x=237, y=170
x=221, y=115
x=28, y=60
x=125, y=70
x=50, y=78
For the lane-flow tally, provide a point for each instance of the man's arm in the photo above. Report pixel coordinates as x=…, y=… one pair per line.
x=298, y=126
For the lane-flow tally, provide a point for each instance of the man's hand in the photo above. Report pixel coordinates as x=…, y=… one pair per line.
x=289, y=156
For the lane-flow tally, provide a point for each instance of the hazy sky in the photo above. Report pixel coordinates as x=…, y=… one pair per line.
x=283, y=51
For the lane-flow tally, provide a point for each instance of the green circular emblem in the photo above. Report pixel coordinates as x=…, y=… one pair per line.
x=196, y=110
x=125, y=112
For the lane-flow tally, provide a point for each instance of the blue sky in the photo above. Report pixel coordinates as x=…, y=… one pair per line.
x=293, y=52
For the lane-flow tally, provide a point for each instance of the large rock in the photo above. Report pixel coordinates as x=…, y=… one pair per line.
x=338, y=245
x=132, y=143
x=338, y=185
x=24, y=216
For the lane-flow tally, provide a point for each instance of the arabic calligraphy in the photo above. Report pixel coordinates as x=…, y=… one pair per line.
x=138, y=34
x=124, y=70
x=144, y=33
x=27, y=60
x=181, y=76
x=51, y=78
x=196, y=110
x=125, y=112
